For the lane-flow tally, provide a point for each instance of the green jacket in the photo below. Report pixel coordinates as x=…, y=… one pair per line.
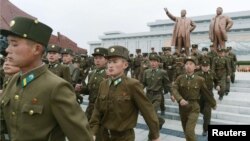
x=39, y=106
x=189, y=88
x=60, y=70
x=118, y=104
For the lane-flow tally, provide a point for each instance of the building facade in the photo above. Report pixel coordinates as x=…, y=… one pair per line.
x=160, y=35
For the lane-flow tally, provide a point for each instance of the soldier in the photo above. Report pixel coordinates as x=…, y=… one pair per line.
x=196, y=54
x=131, y=64
x=179, y=65
x=156, y=81
x=68, y=56
x=222, y=70
x=137, y=64
x=205, y=57
x=231, y=65
x=85, y=65
x=210, y=80
x=212, y=53
x=54, y=65
x=145, y=64
x=186, y=90
x=119, y=101
x=168, y=62
x=43, y=103
x=234, y=58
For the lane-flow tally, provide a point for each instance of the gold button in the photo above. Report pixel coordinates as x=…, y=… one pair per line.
x=13, y=113
x=2, y=101
x=16, y=97
x=31, y=112
x=95, y=77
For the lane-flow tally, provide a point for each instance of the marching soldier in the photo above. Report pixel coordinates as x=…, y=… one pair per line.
x=156, y=81
x=131, y=64
x=222, y=70
x=196, y=54
x=137, y=64
x=43, y=103
x=210, y=80
x=85, y=66
x=145, y=64
x=234, y=58
x=205, y=57
x=54, y=65
x=231, y=65
x=168, y=62
x=186, y=90
x=212, y=53
x=179, y=65
x=119, y=101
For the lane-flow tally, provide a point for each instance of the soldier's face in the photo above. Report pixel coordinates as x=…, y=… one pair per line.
x=154, y=64
x=9, y=68
x=116, y=66
x=100, y=61
x=53, y=56
x=67, y=58
x=205, y=68
x=190, y=67
x=22, y=52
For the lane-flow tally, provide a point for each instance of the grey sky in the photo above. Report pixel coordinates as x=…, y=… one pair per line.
x=85, y=20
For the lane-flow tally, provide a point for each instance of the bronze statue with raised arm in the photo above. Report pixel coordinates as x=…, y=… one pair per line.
x=182, y=29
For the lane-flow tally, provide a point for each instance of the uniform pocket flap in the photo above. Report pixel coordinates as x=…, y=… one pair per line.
x=32, y=109
x=5, y=101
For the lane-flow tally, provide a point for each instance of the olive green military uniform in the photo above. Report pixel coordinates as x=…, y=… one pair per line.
x=137, y=64
x=231, y=65
x=179, y=66
x=118, y=104
x=95, y=78
x=56, y=67
x=38, y=105
x=205, y=108
x=131, y=64
x=145, y=64
x=168, y=64
x=222, y=69
x=189, y=88
x=205, y=57
x=84, y=66
x=234, y=58
x=156, y=81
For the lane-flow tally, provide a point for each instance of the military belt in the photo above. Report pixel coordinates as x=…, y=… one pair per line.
x=113, y=133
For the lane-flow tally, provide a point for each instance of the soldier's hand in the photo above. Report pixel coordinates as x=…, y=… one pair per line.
x=166, y=10
x=218, y=88
x=183, y=102
x=228, y=77
x=158, y=139
x=94, y=138
x=172, y=98
x=169, y=67
x=214, y=108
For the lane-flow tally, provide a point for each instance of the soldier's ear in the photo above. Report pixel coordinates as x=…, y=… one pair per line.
x=37, y=49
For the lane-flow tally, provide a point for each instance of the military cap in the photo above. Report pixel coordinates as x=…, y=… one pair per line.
x=226, y=50
x=183, y=50
x=144, y=54
x=100, y=51
x=229, y=48
x=77, y=59
x=154, y=56
x=166, y=48
x=194, y=45
x=29, y=29
x=152, y=48
x=204, y=49
x=205, y=63
x=53, y=48
x=160, y=53
x=118, y=51
x=83, y=55
x=131, y=55
x=190, y=58
x=138, y=50
x=67, y=51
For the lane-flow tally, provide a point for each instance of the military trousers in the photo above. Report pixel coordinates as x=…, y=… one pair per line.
x=233, y=77
x=162, y=105
x=109, y=135
x=189, y=115
x=206, y=110
x=155, y=98
x=228, y=81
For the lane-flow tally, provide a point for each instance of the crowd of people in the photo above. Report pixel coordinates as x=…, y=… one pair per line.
x=42, y=86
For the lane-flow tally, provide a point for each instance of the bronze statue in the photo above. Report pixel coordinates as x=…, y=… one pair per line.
x=182, y=29
x=218, y=28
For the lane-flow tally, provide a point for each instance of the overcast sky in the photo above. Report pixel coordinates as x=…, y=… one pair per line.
x=86, y=20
